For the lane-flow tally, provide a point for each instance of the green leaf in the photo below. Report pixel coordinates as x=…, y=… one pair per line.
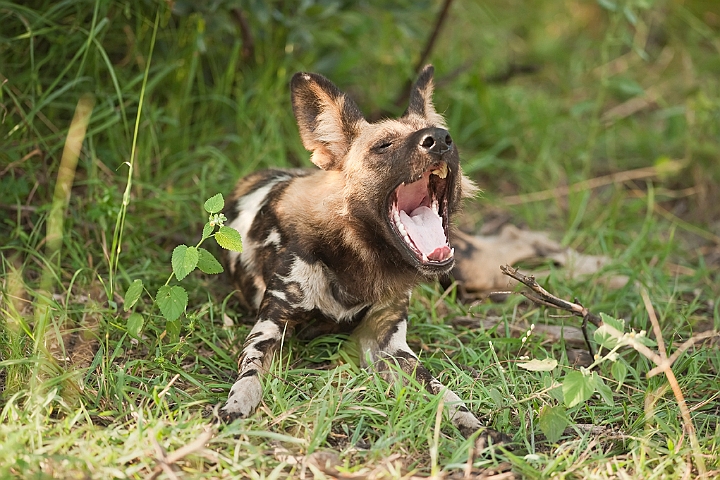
x=172, y=301
x=229, y=238
x=215, y=203
x=645, y=340
x=619, y=372
x=207, y=230
x=552, y=422
x=207, y=262
x=172, y=327
x=577, y=388
x=625, y=87
x=554, y=388
x=617, y=323
x=604, y=391
x=134, y=324
x=133, y=294
x=184, y=260
x=536, y=365
x=497, y=397
x=604, y=338
x=556, y=393
x=602, y=335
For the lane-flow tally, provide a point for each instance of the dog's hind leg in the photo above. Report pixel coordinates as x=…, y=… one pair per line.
x=382, y=339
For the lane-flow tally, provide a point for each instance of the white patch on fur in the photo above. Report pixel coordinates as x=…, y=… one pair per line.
x=328, y=125
x=398, y=341
x=316, y=292
x=469, y=188
x=278, y=294
x=273, y=238
x=248, y=207
x=244, y=396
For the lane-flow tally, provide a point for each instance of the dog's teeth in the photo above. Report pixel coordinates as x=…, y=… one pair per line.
x=424, y=258
x=401, y=227
x=452, y=252
x=442, y=171
x=435, y=206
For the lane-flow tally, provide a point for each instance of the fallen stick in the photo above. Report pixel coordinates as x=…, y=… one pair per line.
x=541, y=296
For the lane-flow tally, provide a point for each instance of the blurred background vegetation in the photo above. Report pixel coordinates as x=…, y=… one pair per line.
x=538, y=95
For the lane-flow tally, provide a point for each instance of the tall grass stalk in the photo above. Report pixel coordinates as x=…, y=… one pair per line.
x=120, y=221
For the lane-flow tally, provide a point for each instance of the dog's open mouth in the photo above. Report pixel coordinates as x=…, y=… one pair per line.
x=419, y=214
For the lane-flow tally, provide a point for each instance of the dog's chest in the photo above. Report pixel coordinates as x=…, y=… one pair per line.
x=276, y=260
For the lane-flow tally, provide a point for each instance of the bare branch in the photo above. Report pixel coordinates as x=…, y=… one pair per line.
x=248, y=43
x=405, y=92
x=539, y=295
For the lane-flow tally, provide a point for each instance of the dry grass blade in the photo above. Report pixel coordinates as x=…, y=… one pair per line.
x=163, y=464
x=66, y=173
x=597, y=182
x=56, y=217
x=166, y=462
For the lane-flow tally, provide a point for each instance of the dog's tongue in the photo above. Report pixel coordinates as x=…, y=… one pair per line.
x=425, y=229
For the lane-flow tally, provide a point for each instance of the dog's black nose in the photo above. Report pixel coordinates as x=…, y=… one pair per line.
x=435, y=140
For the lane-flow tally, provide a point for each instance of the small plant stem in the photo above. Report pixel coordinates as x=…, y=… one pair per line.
x=435, y=445
x=605, y=357
x=120, y=221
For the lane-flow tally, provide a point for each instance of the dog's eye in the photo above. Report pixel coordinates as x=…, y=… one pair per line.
x=382, y=146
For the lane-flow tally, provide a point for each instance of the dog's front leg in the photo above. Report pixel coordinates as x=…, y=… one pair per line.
x=256, y=357
x=382, y=339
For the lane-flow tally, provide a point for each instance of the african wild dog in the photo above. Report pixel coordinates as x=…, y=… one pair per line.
x=339, y=249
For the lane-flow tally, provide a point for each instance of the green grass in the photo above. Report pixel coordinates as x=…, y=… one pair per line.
x=102, y=404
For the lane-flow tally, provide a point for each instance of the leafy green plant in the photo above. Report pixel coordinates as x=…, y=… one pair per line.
x=172, y=300
x=578, y=386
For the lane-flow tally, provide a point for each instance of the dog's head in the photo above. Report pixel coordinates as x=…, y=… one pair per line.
x=401, y=178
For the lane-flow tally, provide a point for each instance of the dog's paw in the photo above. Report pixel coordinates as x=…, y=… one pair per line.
x=244, y=396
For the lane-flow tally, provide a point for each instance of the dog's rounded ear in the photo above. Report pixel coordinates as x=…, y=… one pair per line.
x=421, y=103
x=327, y=118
